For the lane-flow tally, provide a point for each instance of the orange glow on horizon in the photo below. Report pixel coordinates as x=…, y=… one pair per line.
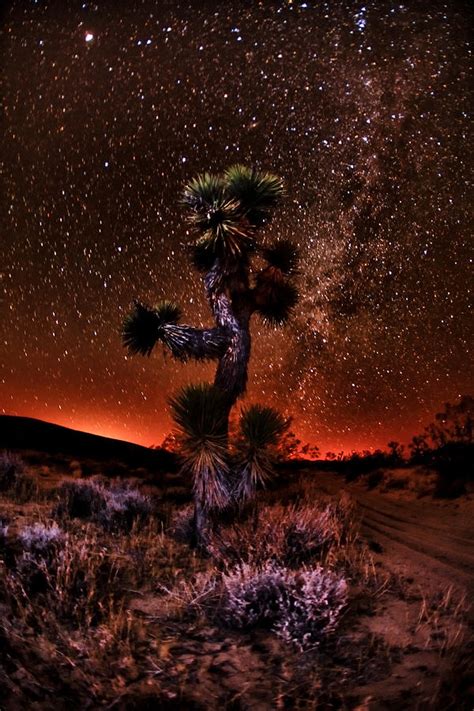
x=153, y=436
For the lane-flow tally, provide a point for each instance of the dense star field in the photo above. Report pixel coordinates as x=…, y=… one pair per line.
x=361, y=107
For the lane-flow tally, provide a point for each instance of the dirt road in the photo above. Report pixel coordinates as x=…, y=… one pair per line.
x=432, y=538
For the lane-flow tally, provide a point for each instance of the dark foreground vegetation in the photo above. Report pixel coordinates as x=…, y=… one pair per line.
x=443, y=456
x=104, y=603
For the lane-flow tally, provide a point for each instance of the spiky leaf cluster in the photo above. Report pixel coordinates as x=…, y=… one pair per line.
x=260, y=428
x=168, y=312
x=140, y=329
x=200, y=411
x=258, y=192
x=283, y=255
x=275, y=296
x=226, y=210
x=203, y=192
x=142, y=326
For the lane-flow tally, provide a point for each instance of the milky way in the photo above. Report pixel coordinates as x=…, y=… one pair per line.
x=363, y=110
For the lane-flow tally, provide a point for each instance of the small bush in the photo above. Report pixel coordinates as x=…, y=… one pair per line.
x=114, y=508
x=182, y=525
x=123, y=508
x=81, y=499
x=396, y=483
x=40, y=545
x=313, y=605
x=302, y=607
x=453, y=462
x=76, y=468
x=11, y=467
x=40, y=538
x=70, y=575
x=375, y=478
x=192, y=597
x=448, y=486
x=14, y=480
x=254, y=596
x=309, y=533
x=3, y=532
x=289, y=535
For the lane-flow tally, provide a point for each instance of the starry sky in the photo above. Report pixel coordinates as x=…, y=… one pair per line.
x=361, y=107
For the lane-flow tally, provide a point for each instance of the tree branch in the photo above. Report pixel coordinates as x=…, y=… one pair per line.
x=187, y=342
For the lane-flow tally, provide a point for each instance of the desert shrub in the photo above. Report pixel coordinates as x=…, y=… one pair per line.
x=307, y=534
x=192, y=597
x=76, y=468
x=346, y=510
x=81, y=499
x=182, y=524
x=314, y=602
x=124, y=508
x=40, y=544
x=375, y=478
x=14, y=479
x=253, y=596
x=115, y=508
x=448, y=485
x=26, y=489
x=289, y=535
x=4, y=524
x=396, y=483
x=11, y=467
x=453, y=463
x=71, y=575
x=302, y=607
x=40, y=538
x=360, y=463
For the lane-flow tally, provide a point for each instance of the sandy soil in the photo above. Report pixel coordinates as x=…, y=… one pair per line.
x=432, y=540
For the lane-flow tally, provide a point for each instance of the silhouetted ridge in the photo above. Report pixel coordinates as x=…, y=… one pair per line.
x=29, y=433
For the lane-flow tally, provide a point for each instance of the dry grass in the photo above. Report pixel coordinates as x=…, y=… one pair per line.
x=15, y=482
x=271, y=615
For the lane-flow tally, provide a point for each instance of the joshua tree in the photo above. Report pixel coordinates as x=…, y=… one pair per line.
x=226, y=212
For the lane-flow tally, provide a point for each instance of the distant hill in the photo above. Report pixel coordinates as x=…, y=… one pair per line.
x=28, y=433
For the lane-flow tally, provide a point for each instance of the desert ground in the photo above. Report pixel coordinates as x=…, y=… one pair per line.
x=110, y=606
x=427, y=535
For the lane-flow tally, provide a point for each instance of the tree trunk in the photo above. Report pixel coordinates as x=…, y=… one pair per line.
x=227, y=290
x=199, y=524
x=198, y=343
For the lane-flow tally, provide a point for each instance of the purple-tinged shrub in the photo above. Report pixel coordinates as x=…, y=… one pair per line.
x=14, y=480
x=302, y=607
x=252, y=596
x=41, y=539
x=114, y=508
x=81, y=499
x=41, y=545
x=312, y=607
x=288, y=535
x=124, y=508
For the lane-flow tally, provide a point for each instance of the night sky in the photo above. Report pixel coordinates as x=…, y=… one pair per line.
x=361, y=107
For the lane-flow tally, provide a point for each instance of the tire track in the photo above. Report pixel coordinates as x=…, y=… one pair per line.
x=443, y=548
